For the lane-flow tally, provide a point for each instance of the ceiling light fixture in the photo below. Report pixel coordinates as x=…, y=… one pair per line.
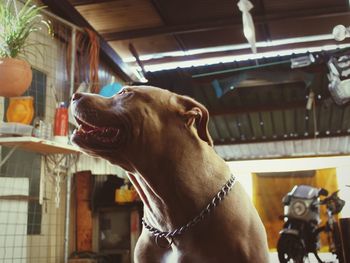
x=340, y=32
x=302, y=61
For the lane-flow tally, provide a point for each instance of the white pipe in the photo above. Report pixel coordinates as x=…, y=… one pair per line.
x=69, y=176
x=72, y=64
x=67, y=219
x=241, y=57
x=63, y=21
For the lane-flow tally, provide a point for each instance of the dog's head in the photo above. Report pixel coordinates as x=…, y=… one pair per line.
x=138, y=122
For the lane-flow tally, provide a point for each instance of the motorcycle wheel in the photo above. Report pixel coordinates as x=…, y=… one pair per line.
x=291, y=249
x=336, y=240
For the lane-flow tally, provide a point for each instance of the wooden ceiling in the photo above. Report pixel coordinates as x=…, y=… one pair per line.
x=158, y=26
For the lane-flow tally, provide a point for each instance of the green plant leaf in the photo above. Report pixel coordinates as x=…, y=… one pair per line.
x=16, y=26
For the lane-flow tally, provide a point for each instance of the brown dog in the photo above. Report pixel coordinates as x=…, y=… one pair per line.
x=162, y=140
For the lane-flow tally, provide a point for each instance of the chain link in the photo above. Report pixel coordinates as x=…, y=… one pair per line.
x=58, y=189
x=55, y=160
x=180, y=230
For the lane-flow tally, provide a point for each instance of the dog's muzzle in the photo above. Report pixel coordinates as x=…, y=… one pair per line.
x=95, y=131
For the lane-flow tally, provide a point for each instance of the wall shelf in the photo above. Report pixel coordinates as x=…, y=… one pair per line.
x=38, y=145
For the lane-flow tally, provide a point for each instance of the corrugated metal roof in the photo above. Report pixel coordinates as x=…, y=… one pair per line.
x=259, y=111
x=284, y=149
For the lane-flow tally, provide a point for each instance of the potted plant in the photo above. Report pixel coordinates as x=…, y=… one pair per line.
x=16, y=24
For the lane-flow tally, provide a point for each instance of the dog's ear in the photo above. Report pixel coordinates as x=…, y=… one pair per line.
x=195, y=114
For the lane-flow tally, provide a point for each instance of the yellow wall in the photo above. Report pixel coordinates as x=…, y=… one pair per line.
x=244, y=171
x=268, y=192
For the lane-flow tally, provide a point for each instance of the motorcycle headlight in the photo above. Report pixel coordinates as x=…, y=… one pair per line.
x=298, y=208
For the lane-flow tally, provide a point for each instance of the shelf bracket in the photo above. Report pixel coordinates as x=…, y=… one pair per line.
x=3, y=161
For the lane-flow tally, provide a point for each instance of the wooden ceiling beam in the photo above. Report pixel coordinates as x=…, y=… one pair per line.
x=88, y=2
x=134, y=52
x=265, y=26
x=170, y=30
x=223, y=23
x=157, y=6
x=65, y=10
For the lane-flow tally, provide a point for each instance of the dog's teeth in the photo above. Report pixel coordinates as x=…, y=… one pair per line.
x=105, y=135
x=116, y=136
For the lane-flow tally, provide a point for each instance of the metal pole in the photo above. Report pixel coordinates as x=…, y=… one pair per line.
x=72, y=63
x=239, y=69
x=60, y=19
x=66, y=234
x=69, y=175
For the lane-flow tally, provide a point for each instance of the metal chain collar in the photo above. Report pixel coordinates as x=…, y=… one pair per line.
x=168, y=236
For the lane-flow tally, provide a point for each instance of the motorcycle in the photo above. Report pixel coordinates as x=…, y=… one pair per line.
x=300, y=233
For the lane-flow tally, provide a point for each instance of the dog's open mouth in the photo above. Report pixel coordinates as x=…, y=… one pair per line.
x=92, y=136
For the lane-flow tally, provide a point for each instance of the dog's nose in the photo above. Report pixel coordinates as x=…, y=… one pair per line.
x=76, y=96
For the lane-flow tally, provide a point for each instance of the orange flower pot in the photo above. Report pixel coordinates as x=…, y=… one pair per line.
x=15, y=77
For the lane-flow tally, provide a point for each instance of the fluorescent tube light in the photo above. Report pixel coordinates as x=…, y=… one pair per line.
x=249, y=56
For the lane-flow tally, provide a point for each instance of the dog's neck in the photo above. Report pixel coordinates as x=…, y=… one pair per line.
x=174, y=182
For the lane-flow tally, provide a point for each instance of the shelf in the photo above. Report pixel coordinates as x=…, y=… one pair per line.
x=38, y=145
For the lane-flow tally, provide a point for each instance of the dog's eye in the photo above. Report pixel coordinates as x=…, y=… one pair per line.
x=123, y=91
